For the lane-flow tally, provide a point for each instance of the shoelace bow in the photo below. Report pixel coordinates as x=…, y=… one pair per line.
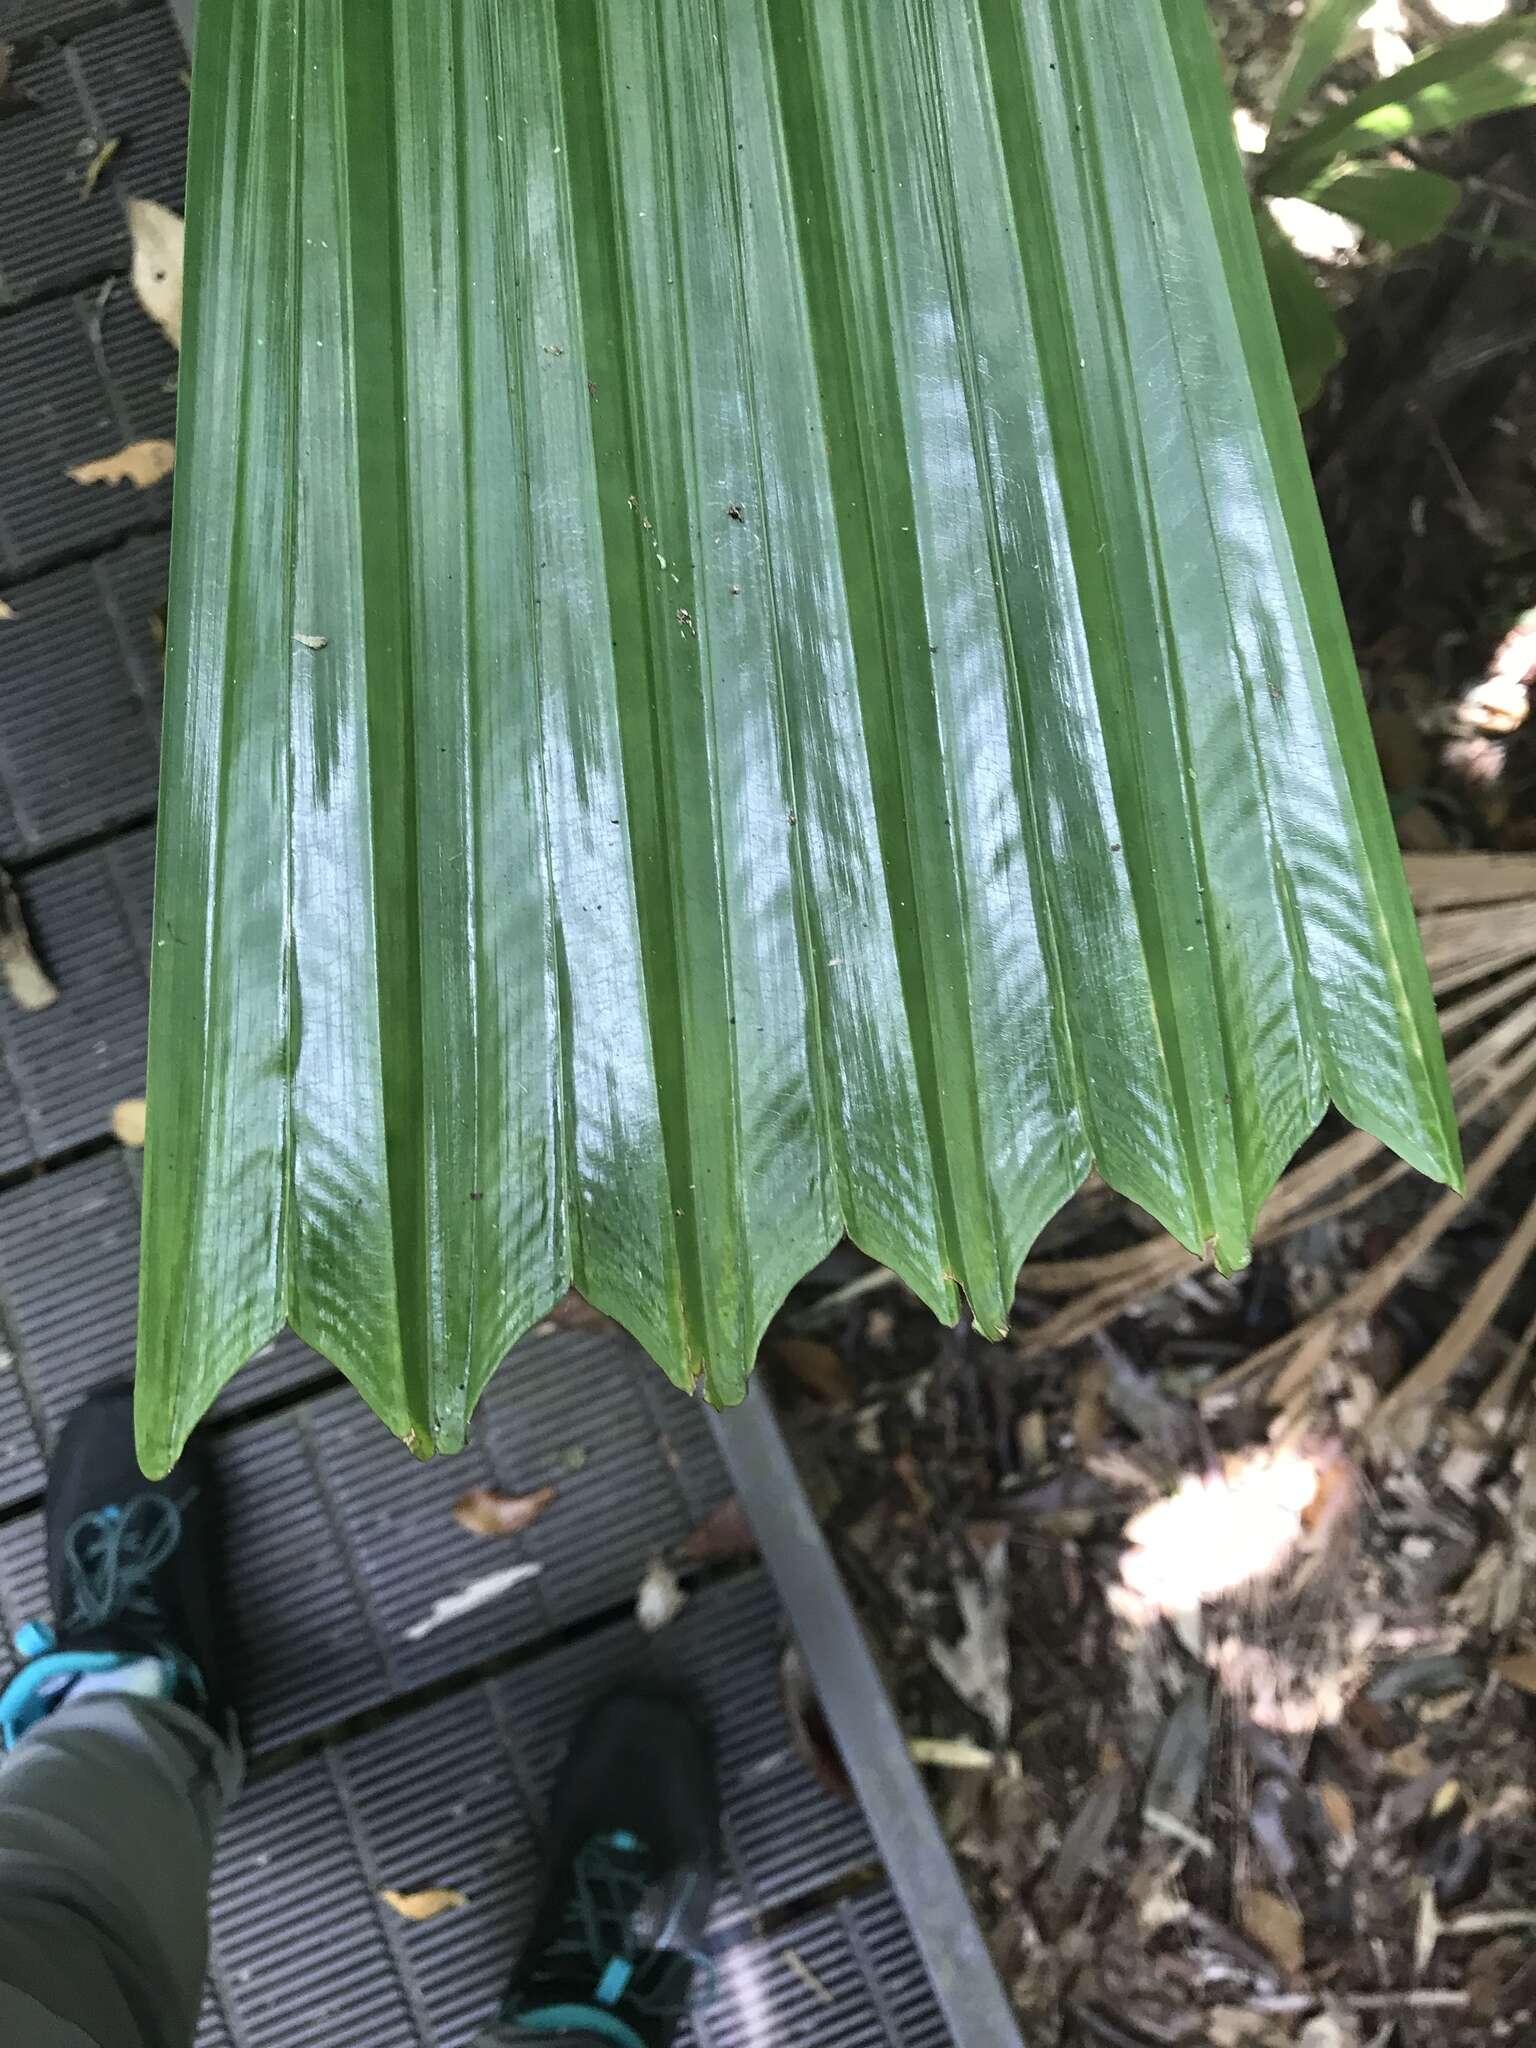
x=111, y=1556
x=607, y=1922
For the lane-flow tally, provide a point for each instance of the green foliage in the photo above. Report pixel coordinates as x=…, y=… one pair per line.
x=1330, y=159
x=751, y=655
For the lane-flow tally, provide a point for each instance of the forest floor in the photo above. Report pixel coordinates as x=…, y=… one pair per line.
x=1220, y=1650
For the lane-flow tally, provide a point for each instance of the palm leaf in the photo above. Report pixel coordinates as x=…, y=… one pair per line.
x=1489, y=70
x=750, y=655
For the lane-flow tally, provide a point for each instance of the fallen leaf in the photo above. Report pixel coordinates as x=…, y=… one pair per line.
x=1518, y=1670
x=128, y=1122
x=442, y=1898
x=1330, y=2030
x=27, y=985
x=312, y=640
x=808, y=1729
x=98, y=164
x=1339, y=1808
x=950, y=1753
x=484, y=1511
x=141, y=463
x=452, y=1606
x=725, y=1532
x=978, y=1665
x=6, y=611
x=1234, y=2026
x=158, y=238
x=1275, y=1925
x=907, y=1470
x=660, y=1598
x=818, y=1369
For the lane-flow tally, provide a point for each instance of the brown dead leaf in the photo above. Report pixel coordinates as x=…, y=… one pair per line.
x=158, y=238
x=425, y=1905
x=1339, y=1808
x=1519, y=1670
x=818, y=1369
x=141, y=463
x=1275, y=1925
x=128, y=1122
x=724, y=1532
x=98, y=164
x=1088, y=1408
x=484, y=1511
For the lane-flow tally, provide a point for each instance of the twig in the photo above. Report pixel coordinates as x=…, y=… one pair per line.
x=825, y=1310
x=1415, y=1998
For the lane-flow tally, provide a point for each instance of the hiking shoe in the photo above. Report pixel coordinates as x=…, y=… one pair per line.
x=133, y=1574
x=634, y=1844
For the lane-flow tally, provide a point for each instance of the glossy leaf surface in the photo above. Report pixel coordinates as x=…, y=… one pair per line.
x=751, y=655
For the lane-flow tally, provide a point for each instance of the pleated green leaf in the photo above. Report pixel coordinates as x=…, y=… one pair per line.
x=751, y=656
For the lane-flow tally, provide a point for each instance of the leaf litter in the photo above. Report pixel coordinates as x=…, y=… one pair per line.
x=427, y=1904
x=1220, y=1690
x=485, y=1511
x=159, y=239
x=26, y=982
x=141, y=463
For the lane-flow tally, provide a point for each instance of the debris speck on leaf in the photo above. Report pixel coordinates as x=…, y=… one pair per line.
x=425, y=1905
x=141, y=464
x=484, y=1511
x=734, y=512
x=314, y=641
x=725, y=1532
x=158, y=240
x=27, y=985
x=98, y=164
x=478, y=1593
x=660, y=1598
x=128, y=1122
x=571, y=1458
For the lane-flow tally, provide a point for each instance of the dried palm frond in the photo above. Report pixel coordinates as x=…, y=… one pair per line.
x=1477, y=918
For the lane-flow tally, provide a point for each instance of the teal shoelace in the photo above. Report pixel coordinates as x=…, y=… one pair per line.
x=111, y=1556
x=611, y=1926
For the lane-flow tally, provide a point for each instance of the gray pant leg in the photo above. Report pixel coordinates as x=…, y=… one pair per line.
x=108, y=1812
